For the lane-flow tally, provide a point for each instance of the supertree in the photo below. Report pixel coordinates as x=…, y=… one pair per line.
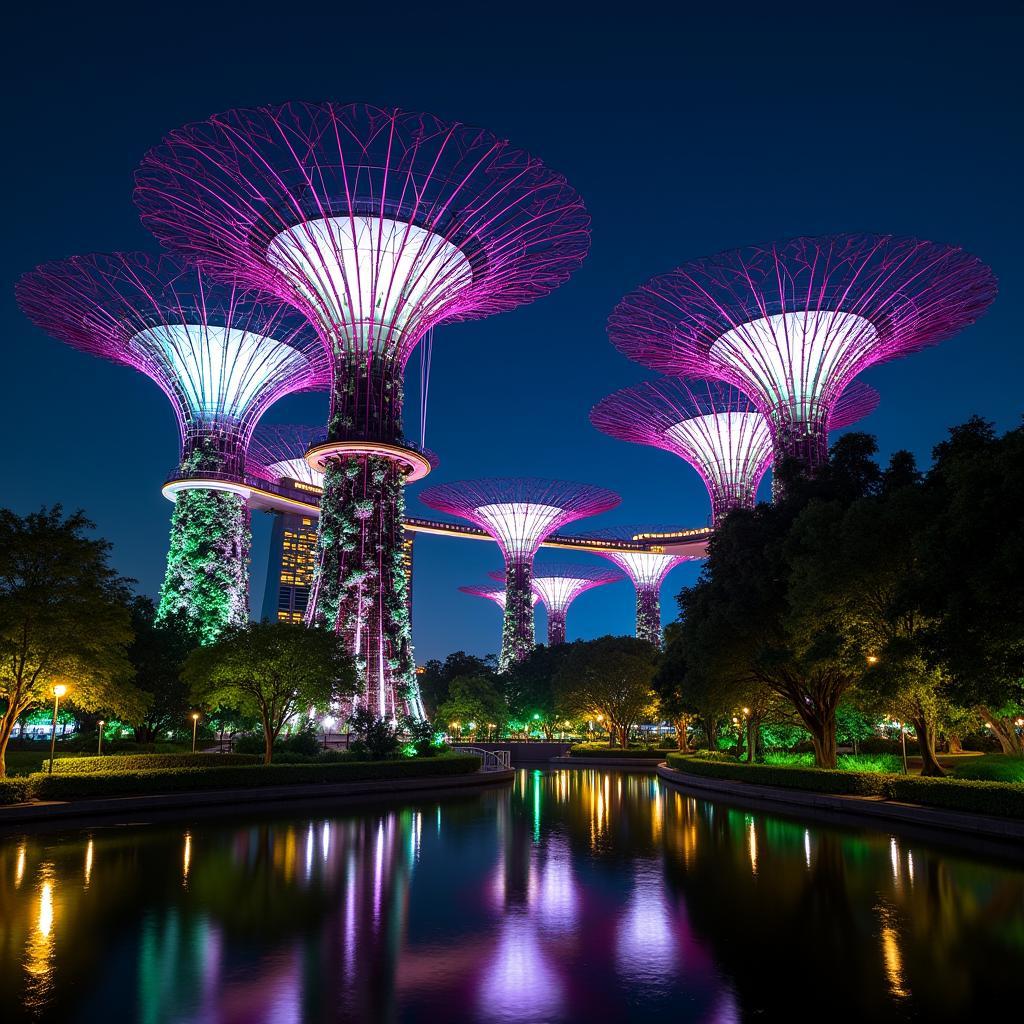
x=492, y=593
x=519, y=514
x=714, y=426
x=379, y=225
x=792, y=323
x=558, y=585
x=646, y=566
x=222, y=354
x=278, y=451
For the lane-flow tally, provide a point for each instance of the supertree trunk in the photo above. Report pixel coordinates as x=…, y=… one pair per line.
x=207, y=577
x=556, y=628
x=361, y=586
x=648, y=615
x=517, y=639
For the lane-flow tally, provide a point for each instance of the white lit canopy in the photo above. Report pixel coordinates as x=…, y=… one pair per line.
x=374, y=283
x=645, y=568
x=730, y=449
x=296, y=469
x=519, y=527
x=790, y=362
x=218, y=373
x=559, y=591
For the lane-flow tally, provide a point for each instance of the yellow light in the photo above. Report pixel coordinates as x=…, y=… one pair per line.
x=59, y=690
x=195, y=716
x=746, y=711
x=872, y=659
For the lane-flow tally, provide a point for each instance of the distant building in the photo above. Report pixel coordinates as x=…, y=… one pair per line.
x=290, y=567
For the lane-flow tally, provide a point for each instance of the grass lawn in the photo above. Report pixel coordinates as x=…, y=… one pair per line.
x=991, y=768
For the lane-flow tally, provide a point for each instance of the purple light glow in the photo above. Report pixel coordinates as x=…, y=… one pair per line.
x=792, y=323
x=519, y=514
x=558, y=585
x=222, y=355
x=714, y=427
x=379, y=225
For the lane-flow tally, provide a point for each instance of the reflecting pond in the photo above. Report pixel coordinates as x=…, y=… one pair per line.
x=573, y=895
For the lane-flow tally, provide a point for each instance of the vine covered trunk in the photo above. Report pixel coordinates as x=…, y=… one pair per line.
x=648, y=615
x=556, y=628
x=517, y=639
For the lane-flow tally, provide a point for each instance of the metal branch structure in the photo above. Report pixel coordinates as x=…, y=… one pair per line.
x=492, y=593
x=222, y=354
x=558, y=585
x=278, y=452
x=714, y=427
x=379, y=225
x=647, y=570
x=519, y=513
x=792, y=323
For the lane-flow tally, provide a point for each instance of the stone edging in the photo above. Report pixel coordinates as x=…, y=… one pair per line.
x=648, y=763
x=51, y=810
x=871, y=808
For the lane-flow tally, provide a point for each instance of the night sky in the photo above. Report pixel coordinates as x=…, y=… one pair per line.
x=684, y=136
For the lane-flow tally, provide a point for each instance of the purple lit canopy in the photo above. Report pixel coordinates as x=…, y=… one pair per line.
x=792, y=323
x=714, y=426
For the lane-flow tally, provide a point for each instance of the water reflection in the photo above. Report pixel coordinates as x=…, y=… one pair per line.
x=576, y=895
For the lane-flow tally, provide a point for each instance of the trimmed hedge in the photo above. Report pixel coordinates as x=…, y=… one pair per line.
x=177, y=780
x=598, y=750
x=13, y=791
x=990, y=768
x=1002, y=799
x=815, y=780
x=145, y=762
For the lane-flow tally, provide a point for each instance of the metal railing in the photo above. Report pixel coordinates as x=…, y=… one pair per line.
x=490, y=760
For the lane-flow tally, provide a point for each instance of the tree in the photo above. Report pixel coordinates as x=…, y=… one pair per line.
x=272, y=670
x=64, y=618
x=974, y=557
x=529, y=687
x=612, y=676
x=437, y=676
x=476, y=700
x=158, y=653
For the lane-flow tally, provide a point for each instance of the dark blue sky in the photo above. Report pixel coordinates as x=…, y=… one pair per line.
x=684, y=136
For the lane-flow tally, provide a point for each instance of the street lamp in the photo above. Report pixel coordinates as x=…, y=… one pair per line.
x=99, y=742
x=195, y=725
x=58, y=691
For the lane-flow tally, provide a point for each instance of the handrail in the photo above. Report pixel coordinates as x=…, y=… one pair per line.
x=490, y=760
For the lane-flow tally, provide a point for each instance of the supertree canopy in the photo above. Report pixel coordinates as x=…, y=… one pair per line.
x=222, y=355
x=519, y=514
x=646, y=568
x=278, y=451
x=379, y=225
x=792, y=323
x=558, y=585
x=714, y=426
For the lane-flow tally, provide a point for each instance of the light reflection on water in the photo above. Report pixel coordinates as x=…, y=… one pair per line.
x=575, y=895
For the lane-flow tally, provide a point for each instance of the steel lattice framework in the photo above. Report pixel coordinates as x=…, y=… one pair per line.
x=519, y=513
x=222, y=354
x=278, y=451
x=647, y=570
x=792, y=323
x=558, y=585
x=714, y=427
x=379, y=225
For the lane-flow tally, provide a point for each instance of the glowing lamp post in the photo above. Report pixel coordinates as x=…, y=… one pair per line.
x=195, y=726
x=99, y=742
x=58, y=691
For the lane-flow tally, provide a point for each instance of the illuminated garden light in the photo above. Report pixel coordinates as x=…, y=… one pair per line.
x=647, y=570
x=714, y=427
x=379, y=225
x=558, y=585
x=792, y=323
x=519, y=514
x=222, y=355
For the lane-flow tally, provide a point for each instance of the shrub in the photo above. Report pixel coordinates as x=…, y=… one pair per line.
x=13, y=791
x=1001, y=799
x=846, y=762
x=144, y=762
x=712, y=755
x=176, y=780
x=818, y=780
x=600, y=750
x=992, y=768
